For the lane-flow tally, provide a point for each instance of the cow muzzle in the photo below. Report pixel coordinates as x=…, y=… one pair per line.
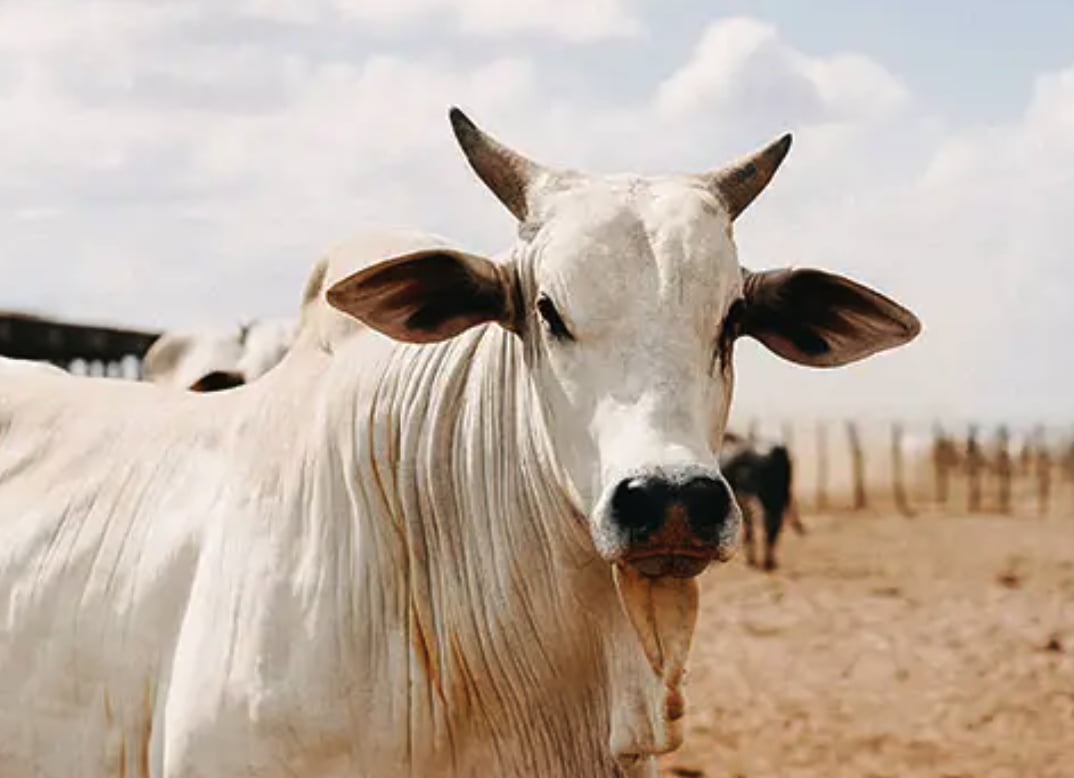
x=671, y=523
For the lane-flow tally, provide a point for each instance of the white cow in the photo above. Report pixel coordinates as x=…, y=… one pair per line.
x=213, y=359
x=460, y=541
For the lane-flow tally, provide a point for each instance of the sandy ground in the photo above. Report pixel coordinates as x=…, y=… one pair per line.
x=935, y=646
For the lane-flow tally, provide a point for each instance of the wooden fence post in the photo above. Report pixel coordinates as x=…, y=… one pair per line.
x=942, y=461
x=1044, y=471
x=822, y=466
x=1004, y=469
x=974, y=464
x=857, y=464
x=898, y=476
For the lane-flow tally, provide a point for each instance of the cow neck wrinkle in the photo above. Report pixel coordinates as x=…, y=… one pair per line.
x=496, y=597
x=485, y=653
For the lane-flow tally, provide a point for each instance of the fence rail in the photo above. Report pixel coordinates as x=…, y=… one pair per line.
x=81, y=348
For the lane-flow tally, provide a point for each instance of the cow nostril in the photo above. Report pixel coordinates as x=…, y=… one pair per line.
x=635, y=505
x=708, y=504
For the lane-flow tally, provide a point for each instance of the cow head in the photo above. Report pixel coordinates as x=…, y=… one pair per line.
x=212, y=360
x=628, y=295
x=197, y=361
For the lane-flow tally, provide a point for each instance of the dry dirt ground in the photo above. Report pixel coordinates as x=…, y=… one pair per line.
x=931, y=647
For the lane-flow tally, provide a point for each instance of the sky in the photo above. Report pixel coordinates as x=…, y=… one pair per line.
x=178, y=163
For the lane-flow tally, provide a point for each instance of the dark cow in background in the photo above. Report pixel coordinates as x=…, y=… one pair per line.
x=761, y=476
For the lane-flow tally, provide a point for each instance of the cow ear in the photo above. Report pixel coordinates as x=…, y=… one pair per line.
x=820, y=319
x=217, y=381
x=427, y=296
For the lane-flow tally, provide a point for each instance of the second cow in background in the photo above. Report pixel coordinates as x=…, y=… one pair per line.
x=209, y=360
x=761, y=476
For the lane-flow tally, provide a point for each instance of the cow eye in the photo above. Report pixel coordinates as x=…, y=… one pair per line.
x=551, y=317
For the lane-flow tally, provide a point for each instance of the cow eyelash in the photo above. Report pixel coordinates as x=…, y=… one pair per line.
x=547, y=309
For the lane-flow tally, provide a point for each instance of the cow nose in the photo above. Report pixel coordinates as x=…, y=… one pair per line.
x=672, y=525
x=643, y=506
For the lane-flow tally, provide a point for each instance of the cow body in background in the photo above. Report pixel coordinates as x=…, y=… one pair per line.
x=762, y=477
x=460, y=541
x=213, y=359
x=13, y=367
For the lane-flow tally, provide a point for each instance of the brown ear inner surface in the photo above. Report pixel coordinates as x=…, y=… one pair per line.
x=425, y=297
x=217, y=381
x=820, y=319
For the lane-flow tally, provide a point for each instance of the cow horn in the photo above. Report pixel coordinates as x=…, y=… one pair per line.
x=740, y=182
x=509, y=175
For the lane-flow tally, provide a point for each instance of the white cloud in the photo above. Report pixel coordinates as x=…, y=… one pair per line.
x=568, y=20
x=573, y=20
x=743, y=66
x=854, y=86
x=50, y=26
x=47, y=24
x=287, y=11
x=159, y=171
